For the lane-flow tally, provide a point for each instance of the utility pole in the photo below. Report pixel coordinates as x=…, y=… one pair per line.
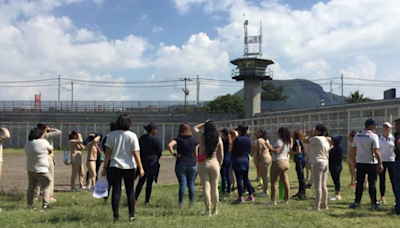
x=331, y=91
x=198, y=91
x=72, y=95
x=59, y=87
x=185, y=90
x=342, y=89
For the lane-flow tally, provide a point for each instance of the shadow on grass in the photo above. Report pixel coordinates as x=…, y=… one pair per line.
x=13, y=195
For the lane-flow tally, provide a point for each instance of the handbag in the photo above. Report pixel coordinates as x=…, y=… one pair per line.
x=101, y=188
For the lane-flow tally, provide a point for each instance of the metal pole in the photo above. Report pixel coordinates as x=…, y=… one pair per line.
x=331, y=91
x=342, y=89
x=185, y=96
x=59, y=87
x=198, y=91
x=72, y=95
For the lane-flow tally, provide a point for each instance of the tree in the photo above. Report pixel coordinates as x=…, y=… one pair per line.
x=227, y=104
x=273, y=93
x=357, y=97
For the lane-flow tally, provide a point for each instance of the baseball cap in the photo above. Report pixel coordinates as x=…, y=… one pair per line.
x=225, y=131
x=387, y=124
x=370, y=122
x=151, y=126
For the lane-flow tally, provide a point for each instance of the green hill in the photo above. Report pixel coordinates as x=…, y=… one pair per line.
x=301, y=94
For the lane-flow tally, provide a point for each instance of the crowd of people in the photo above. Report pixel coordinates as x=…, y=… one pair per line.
x=213, y=155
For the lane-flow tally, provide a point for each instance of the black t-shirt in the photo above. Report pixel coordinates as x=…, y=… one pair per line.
x=150, y=148
x=186, y=148
x=396, y=150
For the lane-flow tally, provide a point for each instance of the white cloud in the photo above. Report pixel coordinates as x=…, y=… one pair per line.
x=99, y=2
x=158, y=29
x=144, y=17
x=364, y=69
x=183, y=6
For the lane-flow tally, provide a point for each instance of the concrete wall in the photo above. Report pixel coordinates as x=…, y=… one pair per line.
x=252, y=97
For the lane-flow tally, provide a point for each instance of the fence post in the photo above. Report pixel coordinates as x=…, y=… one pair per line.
x=163, y=135
x=384, y=119
x=19, y=146
x=337, y=122
x=348, y=122
x=27, y=132
x=172, y=131
x=61, y=136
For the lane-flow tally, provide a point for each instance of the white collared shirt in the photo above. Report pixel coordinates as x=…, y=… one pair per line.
x=387, y=148
x=365, y=142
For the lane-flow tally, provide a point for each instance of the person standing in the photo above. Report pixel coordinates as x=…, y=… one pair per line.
x=185, y=166
x=75, y=146
x=240, y=158
x=49, y=135
x=234, y=135
x=123, y=157
x=335, y=165
x=211, y=156
x=92, y=153
x=263, y=159
x=319, y=147
x=4, y=135
x=367, y=157
x=113, y=127
x=227, y=163
x=300, y=161
x=99, y=158
x=397, y=166
x=387, y=146
x=280, y=164
x=352, y=166
x=150, y=153
x=37, y=151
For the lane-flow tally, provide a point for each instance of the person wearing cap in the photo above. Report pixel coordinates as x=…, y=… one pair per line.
x=150, y=153
x=319, y=158
x=280, y=164
x=367, y=157
x=227, y=163
x=386, y=143
x=397, y=166
x=262, y=159
x=240, y=158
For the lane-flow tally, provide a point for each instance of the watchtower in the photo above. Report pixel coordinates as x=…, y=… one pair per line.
x=252, y=69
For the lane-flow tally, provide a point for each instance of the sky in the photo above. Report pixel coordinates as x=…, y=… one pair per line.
x=134, y=45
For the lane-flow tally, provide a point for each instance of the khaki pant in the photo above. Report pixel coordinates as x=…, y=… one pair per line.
x=77, y=169
x=1, y=169
x=280, y=171
x=44, y=180
x=91, y=165
x=209, y=172
x=320, y=171
x=38, y=190
x=263, y=164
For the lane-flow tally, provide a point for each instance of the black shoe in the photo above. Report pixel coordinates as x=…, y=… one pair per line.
x=295, y=196
x=302, y=197
x=116, y=220
x=308, y=186
x=45, y=208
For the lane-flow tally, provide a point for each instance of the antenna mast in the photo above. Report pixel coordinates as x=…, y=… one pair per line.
x=252, y=41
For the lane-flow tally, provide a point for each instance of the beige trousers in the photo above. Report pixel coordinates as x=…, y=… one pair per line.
x=44, y=180
x=320, y=171
x=263, y=164
x=209, y=172
x=280, y=171
x=38, y=189
x=77, y=169
x=91, y=165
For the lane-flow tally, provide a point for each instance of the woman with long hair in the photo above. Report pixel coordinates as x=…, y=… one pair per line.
x=300, y=161
x=234, y=135
x=75, y=146
x=262, y=159
x=227, y=163
x=210, y=160
x=123, y=157
x=92, y=154
x=319, y=158
x=185, y=166
x=352, y=166
x=240, y=159
x=280, y=164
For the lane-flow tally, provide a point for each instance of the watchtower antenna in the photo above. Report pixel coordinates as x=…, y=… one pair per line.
x=252, y=41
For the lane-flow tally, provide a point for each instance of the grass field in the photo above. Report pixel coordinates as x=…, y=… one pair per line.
x=82, y=210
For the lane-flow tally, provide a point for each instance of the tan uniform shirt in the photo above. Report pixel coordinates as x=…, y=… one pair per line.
x=3, y=138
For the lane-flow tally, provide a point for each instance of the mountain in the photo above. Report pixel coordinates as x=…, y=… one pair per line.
x=301, y=94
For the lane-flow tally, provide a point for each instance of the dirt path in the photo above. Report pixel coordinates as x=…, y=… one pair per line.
x=15, y=175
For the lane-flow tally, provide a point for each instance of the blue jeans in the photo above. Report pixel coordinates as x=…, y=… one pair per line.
x=300, y=164
x=242, y=177
x=397, y=185
x=186, y=175
x=225, y=175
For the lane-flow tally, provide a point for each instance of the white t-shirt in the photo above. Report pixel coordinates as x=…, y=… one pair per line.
x=283, y=155
x=387, y=148
x=365, y=142
x=122, y=144
x=318, y=150
x=37, y=155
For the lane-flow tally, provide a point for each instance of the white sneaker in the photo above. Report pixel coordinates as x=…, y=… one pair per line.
x=382, y=202
x=83, y=188
x=272, y=202
x=215, y=212
x=262, y=194
x=207, y=213
x=335, y=198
